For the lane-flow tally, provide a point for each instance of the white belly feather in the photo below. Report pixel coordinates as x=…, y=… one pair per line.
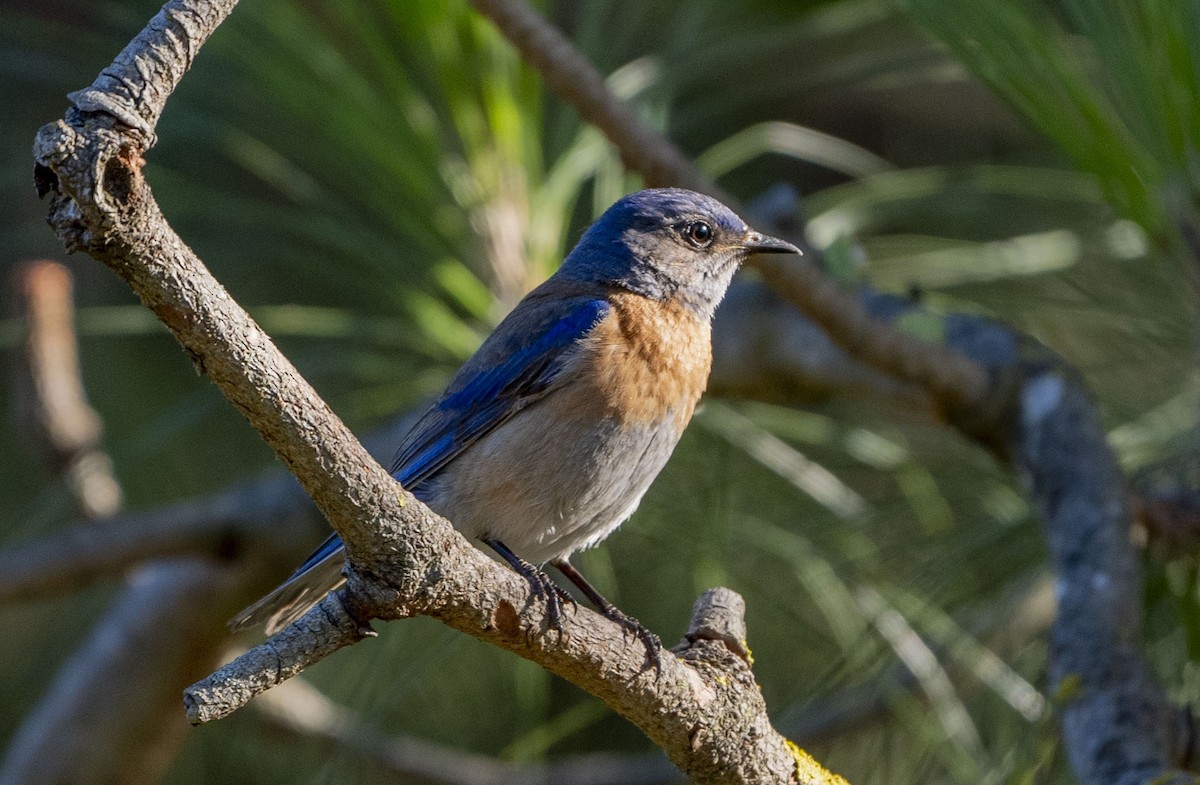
x=546, y=496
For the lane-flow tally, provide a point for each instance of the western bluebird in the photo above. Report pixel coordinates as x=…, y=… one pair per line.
x=547, y=438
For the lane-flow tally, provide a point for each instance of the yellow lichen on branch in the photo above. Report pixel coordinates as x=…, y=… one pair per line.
x=809, y=771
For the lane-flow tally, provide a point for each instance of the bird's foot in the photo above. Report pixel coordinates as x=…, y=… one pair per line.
x=541, y=585
x=613, y=613
x=556, y=598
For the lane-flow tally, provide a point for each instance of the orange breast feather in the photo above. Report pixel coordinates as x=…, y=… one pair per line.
x=649, y=360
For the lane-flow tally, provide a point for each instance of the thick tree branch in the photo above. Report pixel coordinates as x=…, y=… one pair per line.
x=703, y=707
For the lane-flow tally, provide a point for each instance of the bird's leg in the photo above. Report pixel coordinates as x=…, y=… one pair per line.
x=649, y=639
x=541, y=584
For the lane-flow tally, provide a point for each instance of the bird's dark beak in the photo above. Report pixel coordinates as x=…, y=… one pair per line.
x=760, y=243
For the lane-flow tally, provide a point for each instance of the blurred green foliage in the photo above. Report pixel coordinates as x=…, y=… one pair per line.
x=379, y=181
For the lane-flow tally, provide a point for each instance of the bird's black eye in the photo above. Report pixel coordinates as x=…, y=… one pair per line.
x=699, y=234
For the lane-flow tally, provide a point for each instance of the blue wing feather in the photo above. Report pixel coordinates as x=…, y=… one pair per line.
x=485, y=394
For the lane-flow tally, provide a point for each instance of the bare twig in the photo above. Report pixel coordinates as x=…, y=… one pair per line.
x=271, y=516
x=58, y=406
x=702, y=707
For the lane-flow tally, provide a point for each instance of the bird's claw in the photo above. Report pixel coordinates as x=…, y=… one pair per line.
x=541, y=585
x=555, y=597
x=643, y=633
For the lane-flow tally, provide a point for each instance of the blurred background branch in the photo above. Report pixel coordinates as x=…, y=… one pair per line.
x=51, y=390
x=951, y=378
x=136, y=653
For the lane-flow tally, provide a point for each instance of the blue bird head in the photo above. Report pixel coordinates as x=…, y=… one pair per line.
x=666, y=243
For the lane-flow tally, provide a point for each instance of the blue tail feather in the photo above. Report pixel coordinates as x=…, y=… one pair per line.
x=320, y=574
